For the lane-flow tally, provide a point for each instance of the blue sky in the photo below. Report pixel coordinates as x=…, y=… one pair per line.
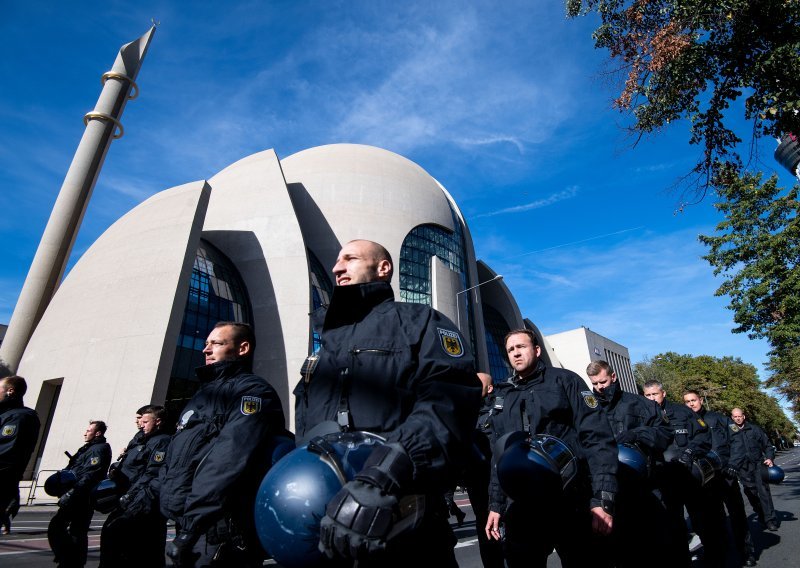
x=507, y=104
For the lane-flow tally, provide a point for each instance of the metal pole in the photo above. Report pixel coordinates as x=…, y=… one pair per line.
x=102, y=126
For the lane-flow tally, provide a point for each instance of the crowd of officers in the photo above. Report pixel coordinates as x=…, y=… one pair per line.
x=403, y=371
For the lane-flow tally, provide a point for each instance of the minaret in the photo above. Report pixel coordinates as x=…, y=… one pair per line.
x=102, y=126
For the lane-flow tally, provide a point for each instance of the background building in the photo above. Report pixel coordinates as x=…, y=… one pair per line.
x=254, y=243
x=579, y=347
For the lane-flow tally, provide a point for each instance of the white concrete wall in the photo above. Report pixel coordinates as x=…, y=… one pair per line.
x=251, y=219
x=111, y=328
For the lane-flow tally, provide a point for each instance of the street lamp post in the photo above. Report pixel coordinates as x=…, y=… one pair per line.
x=458, y=305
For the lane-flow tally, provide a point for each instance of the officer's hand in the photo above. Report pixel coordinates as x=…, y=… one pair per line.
x=357, y=521
x=627, y=437
x=125, y=501
x=493, y=526
x=180, y=550
x=730, y=473
x=602, y=522
x=768, y=462
x=687, y=458
x=65, y=499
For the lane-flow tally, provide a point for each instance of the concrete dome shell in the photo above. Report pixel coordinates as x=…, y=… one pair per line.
x=361, y=192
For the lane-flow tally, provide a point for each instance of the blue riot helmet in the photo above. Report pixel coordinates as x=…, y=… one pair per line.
x=774, y=474
x=716, y=461
x=534, y=468
x=292, y=498
x=105, y=497
x=279, y=446
x=633, y=463
x=60, y=482
x=703, y=469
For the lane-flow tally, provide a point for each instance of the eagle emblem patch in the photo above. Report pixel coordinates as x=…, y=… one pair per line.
x=450, y=342
x=158, y=457
x=735, y=428
x=250, y=405
x=94, y=461
x=589, y=399
x=9, y=429
x=700, y=421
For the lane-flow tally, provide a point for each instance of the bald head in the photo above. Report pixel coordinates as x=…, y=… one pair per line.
x=362, y=261
x=486, y=382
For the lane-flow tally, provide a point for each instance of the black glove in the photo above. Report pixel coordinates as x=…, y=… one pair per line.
x=687, y=458
x=65, y=499
x=125, y=501
x=627, y=437
x=731, y=473
x=180, y=550
x=359, y=518
x=604, y=499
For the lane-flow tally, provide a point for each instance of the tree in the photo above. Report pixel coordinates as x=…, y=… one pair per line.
x=725, y=383
x=757, y=249
x=692, y=59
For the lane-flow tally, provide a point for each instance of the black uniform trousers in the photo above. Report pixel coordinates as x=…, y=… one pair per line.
x=478, y=490
x=704, y=505
x=133, y=542
x=533, y=530
x=68, y=532
x=732, y=498
x=672, y=480
x=757, y=492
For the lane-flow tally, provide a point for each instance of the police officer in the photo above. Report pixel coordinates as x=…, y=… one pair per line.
x=692, y=440
x=19, y=429
x=217, y=457
x=138, y=512
x=68, y=529
x=639, y=422
x=478, y=471
x=401, y=371
x=757, y=454
x=546, y=400
x=726, y=443
x=136, y=440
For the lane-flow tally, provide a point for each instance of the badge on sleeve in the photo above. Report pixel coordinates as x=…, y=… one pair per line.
x=589, y=399
x=450, y=342
x=158, y=457
x=700, y=421
x=94, y=461
x=250, y=405
x=9, y=429
x=735, y=428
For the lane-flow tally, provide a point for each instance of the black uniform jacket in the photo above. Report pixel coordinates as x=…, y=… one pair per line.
x=558, y=402
x=217, y=454
x=628, y=412
x=19, y=429
x=721, y=433
x=139, y=467
x=691, y=431
x=90, y=465
x=755, y=445
x=398, y=370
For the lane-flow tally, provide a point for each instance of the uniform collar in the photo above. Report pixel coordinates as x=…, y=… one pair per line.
x=609, y=395
x=351, y=304
x=516, y=380
x=222, y=370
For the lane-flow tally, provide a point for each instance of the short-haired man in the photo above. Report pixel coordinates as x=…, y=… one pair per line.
x=546, y=400
x=401, y=371
x=19, y=429
x=758, y=453
x=138, y=511
x=725, y=486
x=692, y=440
x=638, y=422
x=217, y=458
x=69, y=528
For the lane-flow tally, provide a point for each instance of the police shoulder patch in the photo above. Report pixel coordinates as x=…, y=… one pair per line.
x=734, y=428
x=700, y=421
x=9, y=429
x=158, y=457
x=450, y=342
x=589, y=399
x=250, y=405
x=94, y=461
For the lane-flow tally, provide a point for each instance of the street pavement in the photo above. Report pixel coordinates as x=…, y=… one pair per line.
x=27, y=547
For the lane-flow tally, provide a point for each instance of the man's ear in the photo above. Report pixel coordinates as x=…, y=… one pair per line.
x=244, y=348
x=384, y=268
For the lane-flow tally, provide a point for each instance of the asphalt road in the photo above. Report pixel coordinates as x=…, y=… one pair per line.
x=27, y=546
